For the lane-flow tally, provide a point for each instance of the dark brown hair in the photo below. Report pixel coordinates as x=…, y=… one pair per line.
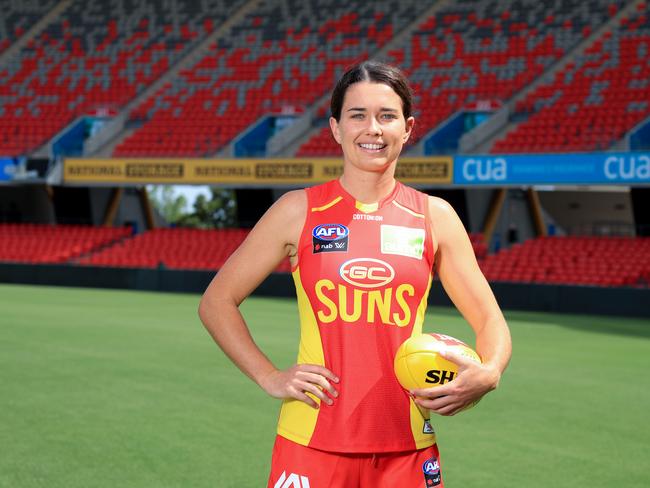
x=374, y=72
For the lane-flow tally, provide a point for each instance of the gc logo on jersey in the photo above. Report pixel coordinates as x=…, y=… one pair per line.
x=367, y=272
x=431, y=469
x=330, y=238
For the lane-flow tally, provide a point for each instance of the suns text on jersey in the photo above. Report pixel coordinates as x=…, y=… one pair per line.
x=348, y=304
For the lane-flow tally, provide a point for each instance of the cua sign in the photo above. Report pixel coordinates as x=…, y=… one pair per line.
x=627, y=168
x=485, y=169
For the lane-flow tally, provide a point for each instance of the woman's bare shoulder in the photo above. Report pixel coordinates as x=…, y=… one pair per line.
x=293, y=202
x=438, y=207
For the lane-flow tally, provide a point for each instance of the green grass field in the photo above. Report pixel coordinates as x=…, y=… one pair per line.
x=125, y=389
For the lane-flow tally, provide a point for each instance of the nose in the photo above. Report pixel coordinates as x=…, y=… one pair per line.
x=373, y=126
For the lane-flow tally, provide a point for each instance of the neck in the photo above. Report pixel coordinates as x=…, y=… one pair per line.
x=367, y=187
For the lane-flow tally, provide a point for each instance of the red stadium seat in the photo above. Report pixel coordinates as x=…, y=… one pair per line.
x=34, y=243
x=597, y=261
x=594, y=100
x=175, y=248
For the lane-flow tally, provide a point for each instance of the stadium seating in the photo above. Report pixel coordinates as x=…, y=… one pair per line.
x=598, y=261
x=93, y=59
x=594, y=100
x=174, y=248
x=595, y=261
x=475, y=50
x=37, y=243
x=284, y=55
x=18, y=17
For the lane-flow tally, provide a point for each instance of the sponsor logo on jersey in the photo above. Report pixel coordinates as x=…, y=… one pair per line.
x=330, y=238
x=403, y=241
x=431, y=469
x=362, y=216
x=291, y=481
x=427, y=428
x=367, y=272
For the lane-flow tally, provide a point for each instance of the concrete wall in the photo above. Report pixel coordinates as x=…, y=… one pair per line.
x=590, y=212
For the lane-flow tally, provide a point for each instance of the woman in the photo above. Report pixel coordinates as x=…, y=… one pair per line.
x=363, y=249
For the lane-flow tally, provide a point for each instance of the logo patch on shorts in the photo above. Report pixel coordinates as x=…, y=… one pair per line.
x=403, y=241
x=330, y=238
x=431, y=469
x=291, y=481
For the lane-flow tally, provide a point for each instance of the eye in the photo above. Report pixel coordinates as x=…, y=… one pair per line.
x=357, y=116
x=388, y=116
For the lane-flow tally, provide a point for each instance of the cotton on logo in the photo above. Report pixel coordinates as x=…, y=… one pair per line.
x=293, y=481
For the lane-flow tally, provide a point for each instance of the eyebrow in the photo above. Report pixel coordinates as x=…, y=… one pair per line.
x=361, y=109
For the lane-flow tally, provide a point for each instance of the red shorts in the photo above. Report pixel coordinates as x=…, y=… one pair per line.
x=296, y=466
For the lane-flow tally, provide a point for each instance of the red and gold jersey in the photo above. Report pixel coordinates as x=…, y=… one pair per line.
x=362, y=279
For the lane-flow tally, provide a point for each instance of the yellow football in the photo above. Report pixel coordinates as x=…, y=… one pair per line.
x=418, y=363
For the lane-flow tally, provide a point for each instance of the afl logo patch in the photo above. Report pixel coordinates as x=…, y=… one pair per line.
x=431, y=469
x=330, y=238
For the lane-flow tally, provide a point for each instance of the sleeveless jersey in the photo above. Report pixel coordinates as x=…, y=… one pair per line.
x=362, y=280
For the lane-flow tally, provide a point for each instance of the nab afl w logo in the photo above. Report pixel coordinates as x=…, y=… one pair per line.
x=431, y=468
x=292, y=481
x=330, y=238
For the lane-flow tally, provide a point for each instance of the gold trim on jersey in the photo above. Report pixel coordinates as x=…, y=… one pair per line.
x=327, y=205
x=402, y=207
x=418, y=414
x=366, y=207
x=297, y=419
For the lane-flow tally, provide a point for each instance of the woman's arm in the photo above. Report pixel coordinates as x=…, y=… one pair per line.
x=469, y=290
x=272, y=239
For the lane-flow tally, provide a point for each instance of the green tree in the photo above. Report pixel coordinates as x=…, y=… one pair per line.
x=217, y=212
x=170, y=207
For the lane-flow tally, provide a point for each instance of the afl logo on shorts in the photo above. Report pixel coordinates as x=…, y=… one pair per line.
x=431, y=469
x=330, y=238
x=367, y=272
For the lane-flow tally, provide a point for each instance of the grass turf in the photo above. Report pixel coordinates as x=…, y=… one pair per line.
x=103, y=388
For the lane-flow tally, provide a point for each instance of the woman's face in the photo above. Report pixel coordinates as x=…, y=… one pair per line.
x=372, y=128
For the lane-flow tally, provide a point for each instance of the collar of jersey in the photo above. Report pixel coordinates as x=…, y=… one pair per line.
x=368, y=208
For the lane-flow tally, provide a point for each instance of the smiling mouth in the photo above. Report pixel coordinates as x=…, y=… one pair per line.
x=372, y=147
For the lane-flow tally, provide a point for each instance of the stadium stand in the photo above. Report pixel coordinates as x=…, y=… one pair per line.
x=18, y=17
x=594, y=100
x=95, y=57
x=482, y=50
x=285, y=54
x=174, y=248
x=99, y=56
x=36, y=243
x=598, y=261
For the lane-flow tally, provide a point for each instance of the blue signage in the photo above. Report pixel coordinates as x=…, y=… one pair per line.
x=539, y=169
x=7, y=168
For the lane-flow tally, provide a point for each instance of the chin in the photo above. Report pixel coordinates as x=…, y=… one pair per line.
x=376, y=165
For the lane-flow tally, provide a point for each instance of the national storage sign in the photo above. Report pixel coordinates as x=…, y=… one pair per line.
x=558, y=169
x=475, y=170
x=256, y=172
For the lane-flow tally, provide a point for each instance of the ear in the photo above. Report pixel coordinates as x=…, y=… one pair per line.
x=334, y=126
x=410, y=122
